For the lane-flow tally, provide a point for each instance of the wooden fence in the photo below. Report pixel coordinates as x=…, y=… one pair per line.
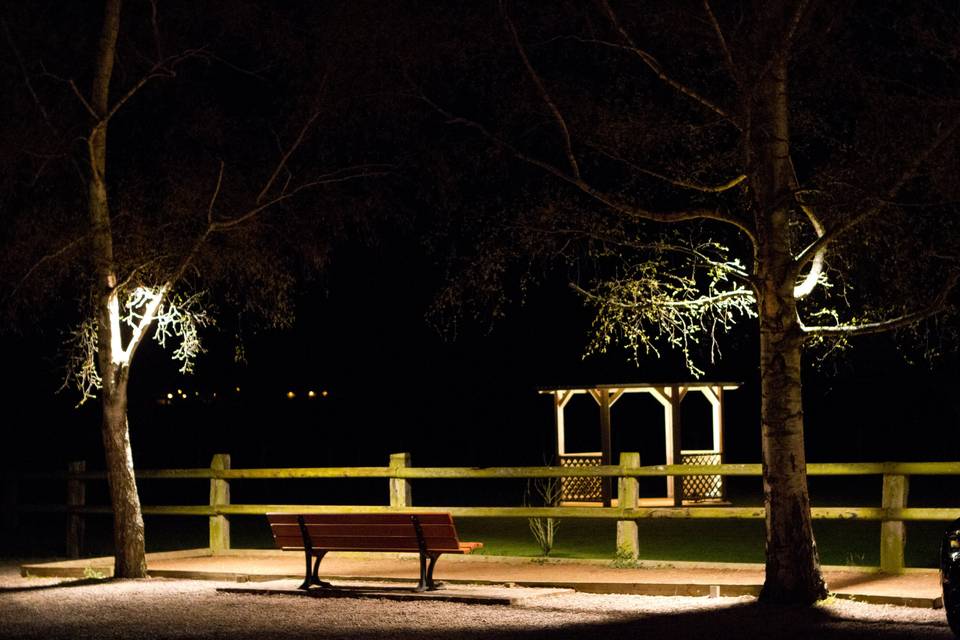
x=892, y=514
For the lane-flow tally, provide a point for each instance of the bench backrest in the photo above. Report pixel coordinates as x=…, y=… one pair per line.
x=365, y=531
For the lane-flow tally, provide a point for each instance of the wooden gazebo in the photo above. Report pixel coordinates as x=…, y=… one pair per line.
x=692, y=489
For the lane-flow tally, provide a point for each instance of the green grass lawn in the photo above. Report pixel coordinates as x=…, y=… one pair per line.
x=839, y=543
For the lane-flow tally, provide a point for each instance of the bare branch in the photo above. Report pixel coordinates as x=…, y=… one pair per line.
x=908, y=174
x=340, y=175
x=86, y=105
x=42, y=261
x=155, y=23
x=937, y=306
x=683, y=184
x=26, y=76
x=787, y=40
x=727, y=55
x=291, y=149
x=213, y=197
x=611, y=201
x=656, y=67
x=162, y=69
x=544, y=94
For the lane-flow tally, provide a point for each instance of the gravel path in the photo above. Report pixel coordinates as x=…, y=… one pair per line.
x=52, y=608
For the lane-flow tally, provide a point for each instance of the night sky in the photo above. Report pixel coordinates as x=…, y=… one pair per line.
x=363, y=331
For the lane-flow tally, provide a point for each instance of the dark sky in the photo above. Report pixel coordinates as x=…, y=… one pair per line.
x=361, y=331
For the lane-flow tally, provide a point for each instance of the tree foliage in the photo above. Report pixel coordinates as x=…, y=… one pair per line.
x=694, y=164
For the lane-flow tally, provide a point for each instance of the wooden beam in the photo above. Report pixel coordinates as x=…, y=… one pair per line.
x=674, y=442
x=662, y=395
x=76, y=497
x=401, y=494
x=606, y=443
x=219, y=498
x=628, y=493
x=559, y=402
x=893, y=534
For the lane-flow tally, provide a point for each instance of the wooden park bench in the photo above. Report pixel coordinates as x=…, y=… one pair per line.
x=429, y=534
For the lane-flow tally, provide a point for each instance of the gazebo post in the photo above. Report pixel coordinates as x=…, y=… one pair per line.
x=559, y=402
x=675, y=457
x=606, y=447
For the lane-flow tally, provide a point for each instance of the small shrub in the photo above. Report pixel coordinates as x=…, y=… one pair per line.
x=89, y=573
x=547, y=492
x=623, y=559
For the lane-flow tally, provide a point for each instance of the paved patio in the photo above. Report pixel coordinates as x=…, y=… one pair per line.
x=915, y=588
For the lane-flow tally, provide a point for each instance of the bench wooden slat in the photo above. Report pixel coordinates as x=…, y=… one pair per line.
x=359, y=518
x=404, y=529
x=323, y=542
x=343, y=542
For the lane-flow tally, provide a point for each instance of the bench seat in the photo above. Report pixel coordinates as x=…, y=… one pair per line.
x=428, y=534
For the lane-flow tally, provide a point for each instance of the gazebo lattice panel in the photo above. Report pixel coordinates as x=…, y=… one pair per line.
x=581, y=489
x=702, y=487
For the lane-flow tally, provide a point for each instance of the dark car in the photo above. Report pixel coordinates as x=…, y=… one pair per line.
x=950, y=575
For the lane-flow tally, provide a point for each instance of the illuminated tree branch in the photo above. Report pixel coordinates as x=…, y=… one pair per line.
x=937, y=306
x=853, y=221
x=815, y=275
x=652, y=305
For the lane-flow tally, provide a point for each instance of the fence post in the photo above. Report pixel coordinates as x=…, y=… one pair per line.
x=628, y=490
x=400, y=493
x=893, y=534
x=219, y=496
x=76, y=497
x=10, y=487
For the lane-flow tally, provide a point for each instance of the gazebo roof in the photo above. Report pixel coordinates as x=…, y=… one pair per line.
x=644, y=386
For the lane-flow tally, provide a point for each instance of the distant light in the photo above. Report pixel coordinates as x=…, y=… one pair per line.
x=179, y=392
x=291, y=395
x=325, y=393
x=311, y=394
x=169, y=396
x=237, y=389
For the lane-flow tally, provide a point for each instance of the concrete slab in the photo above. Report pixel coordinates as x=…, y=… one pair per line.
x=483, y=595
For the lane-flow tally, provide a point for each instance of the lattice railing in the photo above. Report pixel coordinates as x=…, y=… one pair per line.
x=581, y=489
x=701, y=487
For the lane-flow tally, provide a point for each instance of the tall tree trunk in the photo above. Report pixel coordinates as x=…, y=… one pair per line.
x=128, y=532
x=113, y=363
x=792, y=563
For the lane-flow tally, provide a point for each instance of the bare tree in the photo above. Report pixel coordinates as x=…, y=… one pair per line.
x=146, y=272
x=776, y=161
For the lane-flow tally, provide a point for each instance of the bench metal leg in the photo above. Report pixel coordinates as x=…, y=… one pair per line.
x=431, y=585
x=427, y=562
x=312, y=576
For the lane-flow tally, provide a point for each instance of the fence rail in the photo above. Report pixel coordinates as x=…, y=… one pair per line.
x=478, y=473
x=892, y=514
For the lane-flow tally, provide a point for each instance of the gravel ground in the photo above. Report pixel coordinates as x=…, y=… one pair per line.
x=53, y=608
